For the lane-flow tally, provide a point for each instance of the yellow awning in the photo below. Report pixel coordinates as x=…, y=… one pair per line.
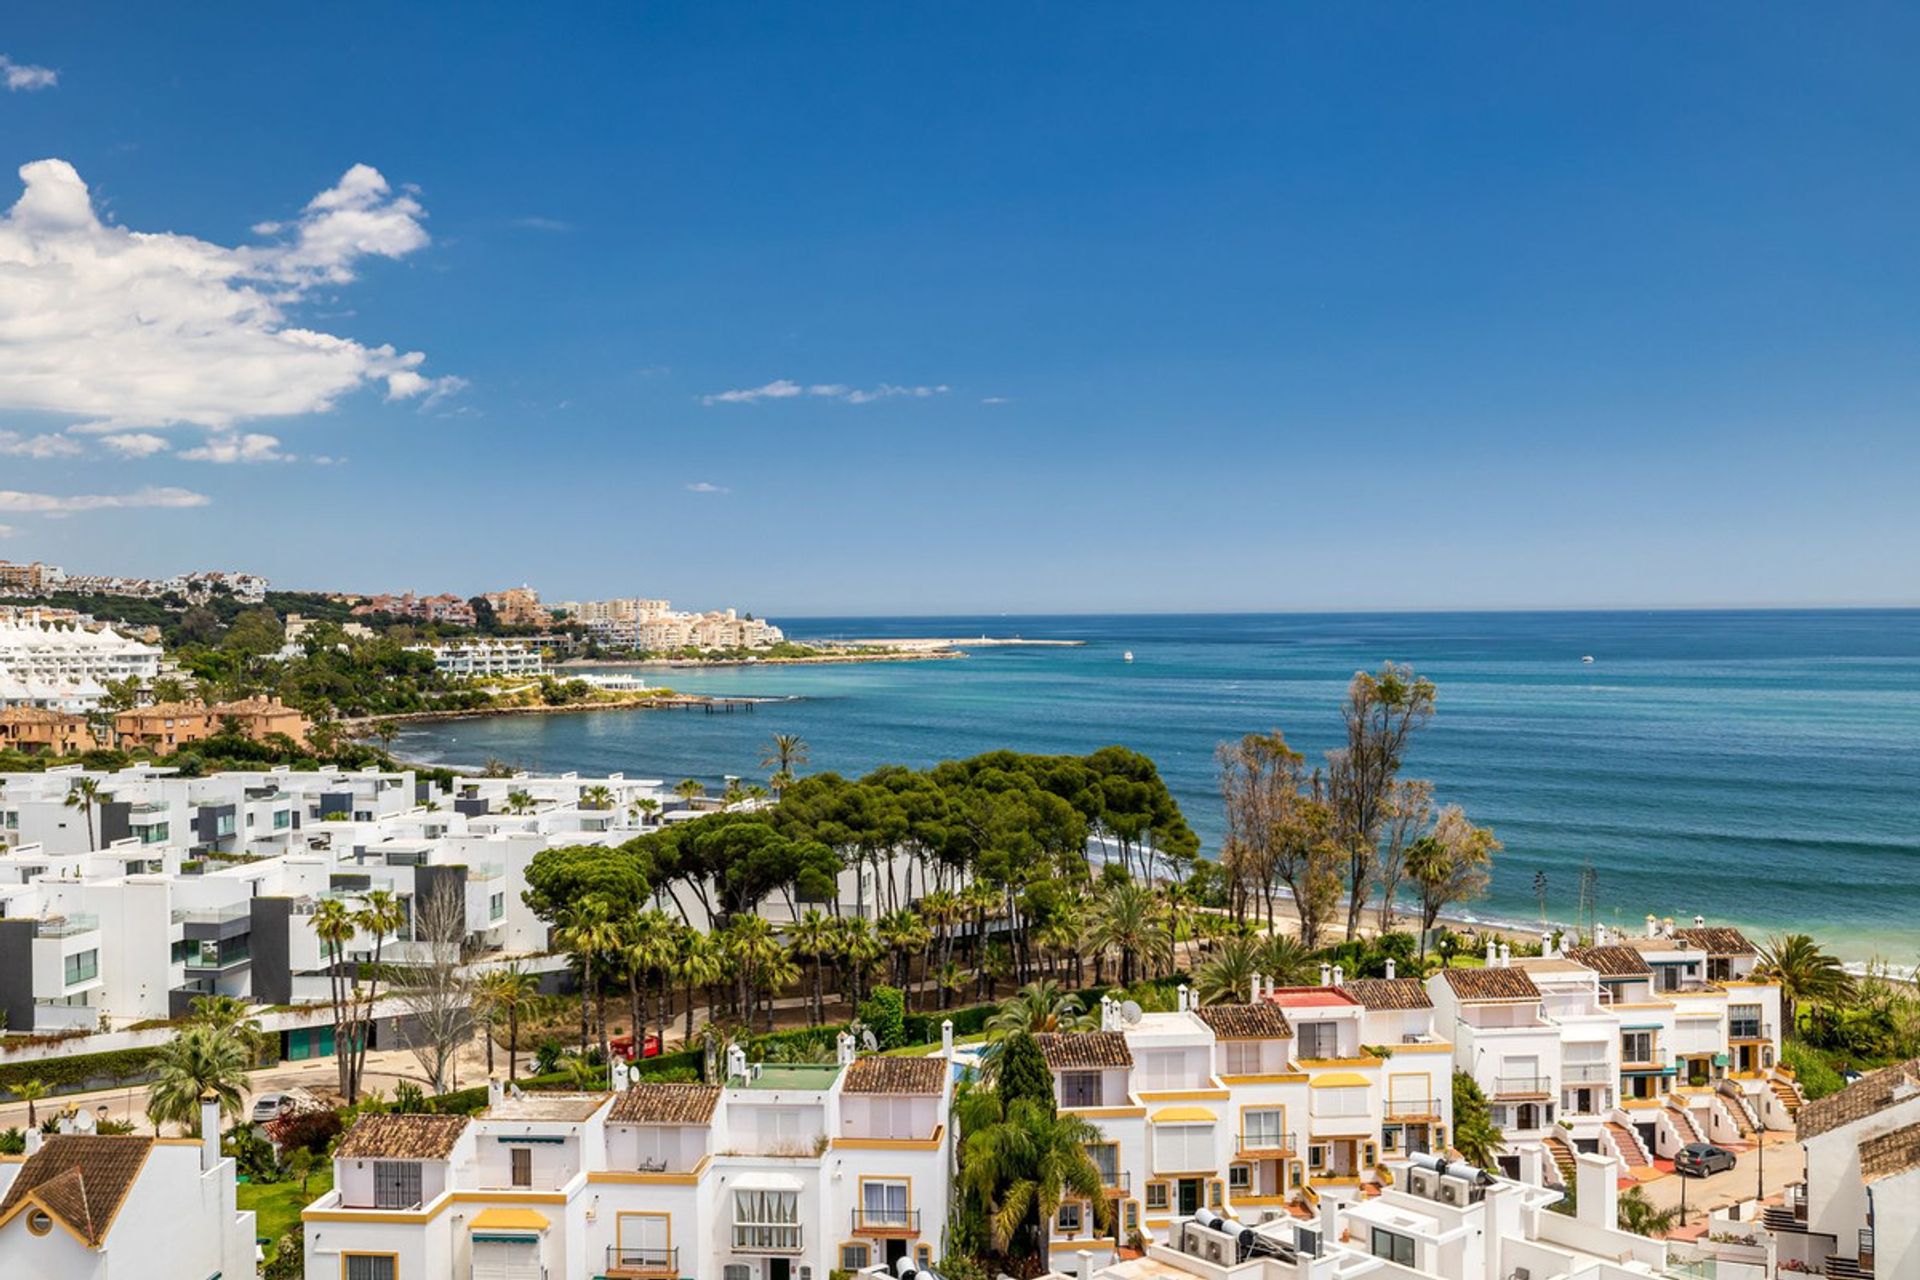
x=1339, y=1080
x=509, y=1220
x=1184, y=1115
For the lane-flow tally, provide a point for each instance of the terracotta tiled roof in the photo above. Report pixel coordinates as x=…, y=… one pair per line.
x=1246, y=1021
x=1612, y=962
x=81, y=1179
x=401, y=1137
x=38, y=715
x=1390, y=993
x=1869, y=1095
x=1084, y=1050
x=665, y=1104
x=876, y=1074
x=1890, y=1153
x=1717, y=940
x=1474, y=985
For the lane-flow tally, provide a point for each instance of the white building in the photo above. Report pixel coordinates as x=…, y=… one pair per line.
x=785, y=1172
x=471, y=659
x=67, y=668
x=86, y=1206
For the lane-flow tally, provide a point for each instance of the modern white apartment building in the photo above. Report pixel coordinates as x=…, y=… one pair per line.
x=1631, y=1047
x=476, y=658
x=67, y=668
x=784, y=1172
x=86, y=1206
x=656, y=625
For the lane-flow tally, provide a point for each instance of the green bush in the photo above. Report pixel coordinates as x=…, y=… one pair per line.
x=82, y=1070
x=885, y=1014
x=1817, y=1074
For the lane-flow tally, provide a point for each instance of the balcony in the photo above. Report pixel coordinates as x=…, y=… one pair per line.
x=1586, y=1073
x=623, y=1262
x=1265, y=1142
x=71, y=925
x=1749, y=1031
x=1412, y=1108
x=885, y=1222
x=766, y=1237
x=1522, y=1086
x=1118, y=1185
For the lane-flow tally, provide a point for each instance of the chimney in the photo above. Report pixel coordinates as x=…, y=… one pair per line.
x=946, y=1038
x=1182, y=1006
x=1599, y=935
x=1389, y=968
x=1653, y=926
x=1106, y=1013
x=33, y=1138
x=1493, y=954
x=1546, y=942
x=1326, y=974
x=496, y=1092
x=1083, y=1265
x=1255, y=997
x=843, y=1044
x=1506, y=955
x=1699, y=922
x=209, y=1131
x=1339, y=976
x=1597, y=1188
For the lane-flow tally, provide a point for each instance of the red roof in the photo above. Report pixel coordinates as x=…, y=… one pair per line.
x=1312, y=998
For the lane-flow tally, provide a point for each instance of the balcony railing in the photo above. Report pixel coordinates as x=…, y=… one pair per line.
x=1117, y=1183
x=1266, y=1141
x=1587, y=1073
x=1749, y=1031
x=642, y=1262
x=70, y=925
x=1511, y=1085
x=886, y=1222
x=766, y=1237
x=1411, y=1108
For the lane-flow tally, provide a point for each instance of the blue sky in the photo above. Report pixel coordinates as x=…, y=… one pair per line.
x=1087, y=307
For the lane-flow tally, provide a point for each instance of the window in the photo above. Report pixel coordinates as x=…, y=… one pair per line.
x=1636, y=1046
x=1106, y=1158
x=1080, y=1089
x=1242, y=1057
x=282, y=819
x=1263, y=1129
x=1317, y=1155
x=768, y=1221
x=522, y=1166
x=1390, y=1137
x=496, y=906
x=1180, y=1147
x=370, y=1266
x=855, y=1257
x=1160, y=1068
x=1240, y=1177
x=1341, y=1100
x=1072, y=1217
x=1133, y=1215
x=737, y=1271
x=83, y=966
x=1744, y=1021
x=396, y=1184
x=1393, y=1246
x=1156, y=1195
x=1318, y=1039
x=883, y=1204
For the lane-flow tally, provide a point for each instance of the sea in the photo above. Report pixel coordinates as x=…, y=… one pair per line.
x=1759, y=768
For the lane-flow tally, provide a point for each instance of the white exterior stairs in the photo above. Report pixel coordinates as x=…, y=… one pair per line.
x=1627, y=1146
x=1562, y=1156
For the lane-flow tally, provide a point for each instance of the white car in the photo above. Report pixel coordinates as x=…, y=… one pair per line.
x=268, y=1106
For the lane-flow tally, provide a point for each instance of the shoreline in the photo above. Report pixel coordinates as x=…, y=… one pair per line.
x=359, y=726
x=903, y=649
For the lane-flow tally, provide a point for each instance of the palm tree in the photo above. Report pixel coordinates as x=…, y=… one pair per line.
x=230, y=1016
x=1129, y=920
x=650, y=950
x=197, y=1062
x=811, y=938
x=519, y=800
x=30, y=1092
x=381, y=915
x=588, y=930
x=1288, y=961
x=1806, y=974
x=698, y=964
x=788, y=750
x=83, y=793
x=903, y=933
x=596, y=797
x=643, y=809
x=513, y=993
x=333, y=925
x=1227, y=976
x=1639, y=1215
x=755, y=954
x=1020, y=1164
x=489, y=1006
x=952, y=980
x=858, y=948
x=1039, y=1006
x=1475, y=1136
x=690, y=789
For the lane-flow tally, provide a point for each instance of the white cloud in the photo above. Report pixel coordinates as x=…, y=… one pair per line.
x=21, y=76
x=50, y=504
x=537, y=223
x=135, y=444
x=15, y=445
x=247, y=446
x=136, y=329
x=787, y=389
x=994, y=400
x=701, y=486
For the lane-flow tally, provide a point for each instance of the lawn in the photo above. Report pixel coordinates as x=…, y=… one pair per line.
x=278, y=1204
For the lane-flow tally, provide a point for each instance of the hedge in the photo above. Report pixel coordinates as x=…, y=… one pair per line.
x=80, y=1072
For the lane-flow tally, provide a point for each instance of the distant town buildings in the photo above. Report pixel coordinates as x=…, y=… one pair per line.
x=655, y=626
x=445, y=607
x=167, y=726
x=67, y=668
x=196, y=588
x=469, y=659
x=518, y=607
x=30, y=579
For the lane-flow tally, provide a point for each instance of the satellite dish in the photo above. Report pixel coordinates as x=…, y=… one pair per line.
x=1130, y=1012
x=83, y=1122
x=867, y=1040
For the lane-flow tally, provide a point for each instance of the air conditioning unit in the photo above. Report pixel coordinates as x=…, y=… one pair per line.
x=1215, y=1253
x=1422, y=1182
x=1453, y=1192
x=1307, y=1240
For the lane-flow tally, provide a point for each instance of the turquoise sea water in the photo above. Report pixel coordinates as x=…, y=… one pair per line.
x=1758, y=767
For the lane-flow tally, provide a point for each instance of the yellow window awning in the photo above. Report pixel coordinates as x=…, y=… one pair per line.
x=498, y=1219
x=1184, y=1115
x=1339, y=1080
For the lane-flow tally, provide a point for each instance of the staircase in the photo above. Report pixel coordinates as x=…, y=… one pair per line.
x=1626, y=1144
x=1788, y=1094
x=1562, y=1156
x=1689, y=1127
x=1736, y=1108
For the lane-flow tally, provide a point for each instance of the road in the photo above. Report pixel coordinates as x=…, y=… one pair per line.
x=1785, y=1162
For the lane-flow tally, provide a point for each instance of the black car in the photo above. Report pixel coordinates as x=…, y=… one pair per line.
x=1698, y=1159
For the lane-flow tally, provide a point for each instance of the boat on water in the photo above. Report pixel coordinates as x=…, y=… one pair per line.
x=1586, y=658
x=1127, y=656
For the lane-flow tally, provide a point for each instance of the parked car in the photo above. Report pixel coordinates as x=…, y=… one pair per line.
x=1698, y=1159
x=267, y=1107
x=622, y=1046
